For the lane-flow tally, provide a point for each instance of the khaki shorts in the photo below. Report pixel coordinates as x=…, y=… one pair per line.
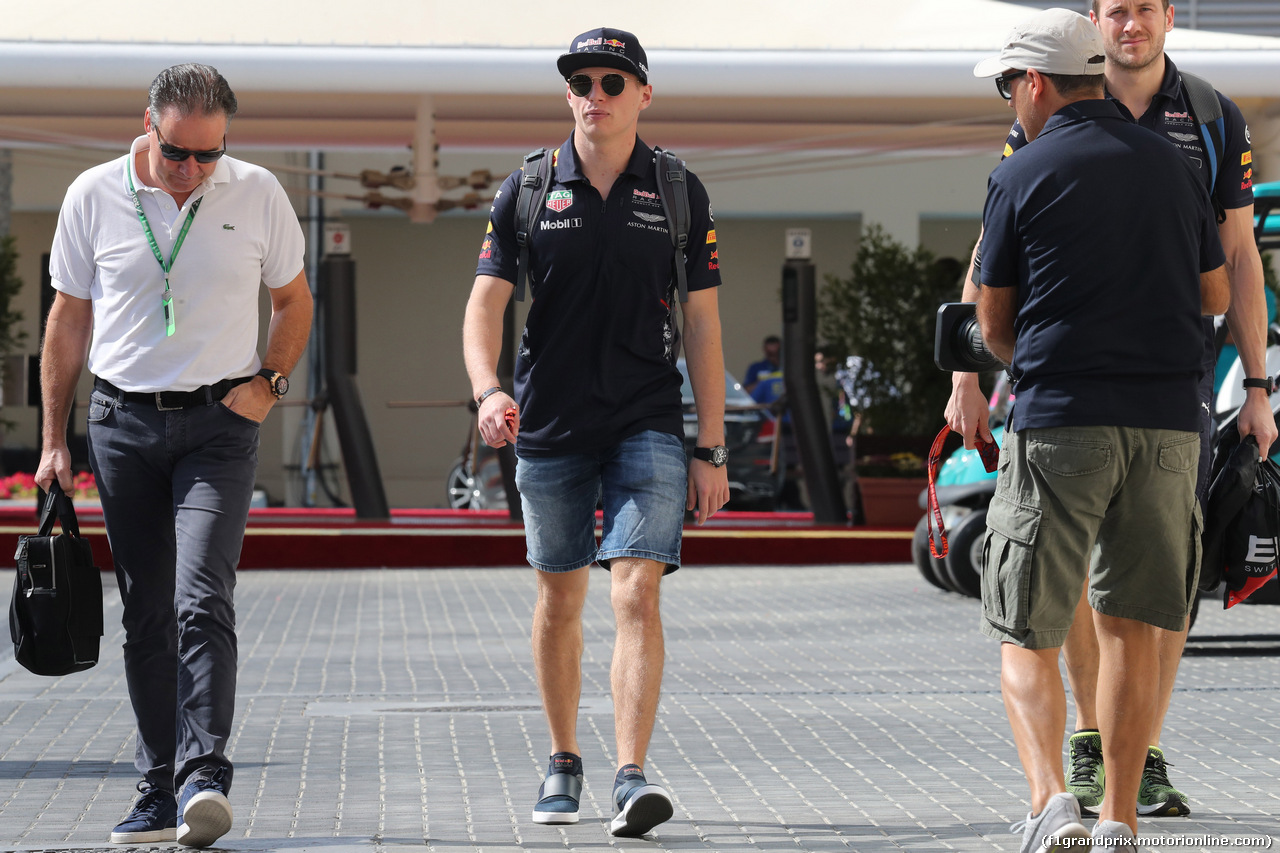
x=1063, y=489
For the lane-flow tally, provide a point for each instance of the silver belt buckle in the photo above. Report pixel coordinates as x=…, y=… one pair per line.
x=160, y=406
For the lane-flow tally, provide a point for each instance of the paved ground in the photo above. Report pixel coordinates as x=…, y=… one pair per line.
x=805, y=709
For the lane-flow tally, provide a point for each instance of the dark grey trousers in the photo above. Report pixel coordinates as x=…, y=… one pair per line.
x=175, y=489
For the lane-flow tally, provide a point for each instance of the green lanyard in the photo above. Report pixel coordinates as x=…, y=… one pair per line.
x=166, y=301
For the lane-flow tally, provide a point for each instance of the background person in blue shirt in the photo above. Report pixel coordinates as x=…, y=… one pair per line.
x=1104, y=344
x=597, y=407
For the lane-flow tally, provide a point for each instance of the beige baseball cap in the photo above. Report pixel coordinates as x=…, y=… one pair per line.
x=1055, y=41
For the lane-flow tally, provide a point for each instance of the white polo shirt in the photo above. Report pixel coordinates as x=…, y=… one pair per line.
x=245, y=234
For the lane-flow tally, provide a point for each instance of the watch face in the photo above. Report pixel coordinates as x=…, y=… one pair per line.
x=281, y=385
x=719, y=456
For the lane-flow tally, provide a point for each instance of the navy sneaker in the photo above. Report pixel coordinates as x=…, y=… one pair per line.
x=638, y=806
x=154, y=818
x=205, y=814
x=560, y=792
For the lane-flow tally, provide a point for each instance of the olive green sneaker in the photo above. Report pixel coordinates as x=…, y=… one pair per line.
x=1156, y=797
x=1086, y=777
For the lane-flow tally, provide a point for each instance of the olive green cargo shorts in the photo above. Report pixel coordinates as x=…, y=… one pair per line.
x=1063, y=490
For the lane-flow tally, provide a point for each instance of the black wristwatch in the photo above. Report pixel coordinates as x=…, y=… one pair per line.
x=1264, y=384
x=717, y=455
x=278, y=381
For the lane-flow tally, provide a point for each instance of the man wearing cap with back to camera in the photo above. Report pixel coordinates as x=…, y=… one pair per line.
x=1104, y=346
x=597, y=407
x=1144, y=84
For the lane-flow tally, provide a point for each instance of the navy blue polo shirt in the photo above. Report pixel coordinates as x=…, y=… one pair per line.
x=1169, y=115
x=1104, y=228
x=597, y=359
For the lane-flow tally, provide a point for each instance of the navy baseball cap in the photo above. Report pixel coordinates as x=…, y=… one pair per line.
x=605, y=48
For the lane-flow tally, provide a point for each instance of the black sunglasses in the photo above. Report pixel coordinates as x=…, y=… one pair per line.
x=1003, y=81
x=177, y=155
x=611, y=84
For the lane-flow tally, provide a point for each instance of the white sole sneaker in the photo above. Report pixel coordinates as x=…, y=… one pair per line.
x=646, y=807
x=206, y=818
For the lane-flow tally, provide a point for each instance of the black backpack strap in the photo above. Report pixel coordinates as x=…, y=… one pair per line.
x=533, y=194
x=673, y=190
x=1207, y=111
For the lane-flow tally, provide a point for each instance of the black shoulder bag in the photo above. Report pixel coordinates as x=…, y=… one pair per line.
x=55, y=617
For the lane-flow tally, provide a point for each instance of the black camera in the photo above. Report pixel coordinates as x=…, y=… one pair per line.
x=958, y=344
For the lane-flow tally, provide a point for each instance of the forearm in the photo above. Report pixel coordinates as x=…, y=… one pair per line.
x=705, y=359
x=287, y=334
x=62, y=358
x=1247, y=315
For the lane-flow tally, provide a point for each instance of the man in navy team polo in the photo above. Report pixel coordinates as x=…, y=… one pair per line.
x=1101, y=447
x=1148, y=89
x=596, y=407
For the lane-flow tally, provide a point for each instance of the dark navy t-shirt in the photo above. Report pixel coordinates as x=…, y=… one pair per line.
x=597, y=359
x=1169, y=115
x=1104, y=229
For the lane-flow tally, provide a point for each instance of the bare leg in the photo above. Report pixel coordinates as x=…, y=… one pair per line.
x=1169, y=653
x=557, y=652
x=1037, y=709
x=1080, y=652
x=638, y=655
x=1127, y=685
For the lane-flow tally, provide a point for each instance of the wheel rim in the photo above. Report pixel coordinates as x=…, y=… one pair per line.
x=463, y=493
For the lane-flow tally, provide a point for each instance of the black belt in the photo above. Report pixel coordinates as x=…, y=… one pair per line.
x=170, y=401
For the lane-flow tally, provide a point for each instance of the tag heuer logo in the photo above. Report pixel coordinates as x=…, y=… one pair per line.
x=560, y=200
x=649, y=217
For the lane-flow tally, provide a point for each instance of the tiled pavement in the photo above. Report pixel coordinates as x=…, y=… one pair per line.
x=804, y=709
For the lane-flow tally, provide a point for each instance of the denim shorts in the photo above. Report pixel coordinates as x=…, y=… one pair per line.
x=1063, y=489
x=642, y=485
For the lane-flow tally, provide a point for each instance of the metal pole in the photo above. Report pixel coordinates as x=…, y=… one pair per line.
x=812, y=428
x=338, y=278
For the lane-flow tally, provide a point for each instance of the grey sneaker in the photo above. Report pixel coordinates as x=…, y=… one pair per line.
x=638, y=805
x=204, y=815
x=1156, y=797
x=1086, y=777
x=1114, y=835
x=1057, y=829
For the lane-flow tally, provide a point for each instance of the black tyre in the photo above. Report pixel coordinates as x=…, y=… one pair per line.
x=964, y=556
x=920, y=554
x=463, y=492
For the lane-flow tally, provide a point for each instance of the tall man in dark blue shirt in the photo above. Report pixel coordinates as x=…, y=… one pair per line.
x=597, y=406
x=1144, y=84
x=1102, y=445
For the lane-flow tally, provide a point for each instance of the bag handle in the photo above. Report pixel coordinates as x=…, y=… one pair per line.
x=58, y=504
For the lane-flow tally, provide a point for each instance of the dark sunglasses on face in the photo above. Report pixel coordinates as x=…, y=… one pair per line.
x=611, y=84
x=1003, y=81
x=177, y=155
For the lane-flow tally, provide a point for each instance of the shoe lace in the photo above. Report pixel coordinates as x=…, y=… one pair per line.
x=1156, y=771
x=1085, y=758
x=151, y=801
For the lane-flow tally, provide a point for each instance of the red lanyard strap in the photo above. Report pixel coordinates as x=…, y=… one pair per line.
x=934, y=512
x=990, y=453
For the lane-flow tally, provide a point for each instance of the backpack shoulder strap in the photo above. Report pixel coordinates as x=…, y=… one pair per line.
x=533, y=193
x=1207, y=110
x=673, y=190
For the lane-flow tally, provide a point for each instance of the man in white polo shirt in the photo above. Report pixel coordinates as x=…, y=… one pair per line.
x=158, y=257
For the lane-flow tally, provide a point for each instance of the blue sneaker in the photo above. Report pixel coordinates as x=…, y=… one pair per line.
x=560, y=792
x=205, y=812
x=638, y=806
x=154, y=818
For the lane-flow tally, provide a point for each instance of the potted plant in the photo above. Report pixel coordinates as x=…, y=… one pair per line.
x=883, y=313
x=12, y=334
